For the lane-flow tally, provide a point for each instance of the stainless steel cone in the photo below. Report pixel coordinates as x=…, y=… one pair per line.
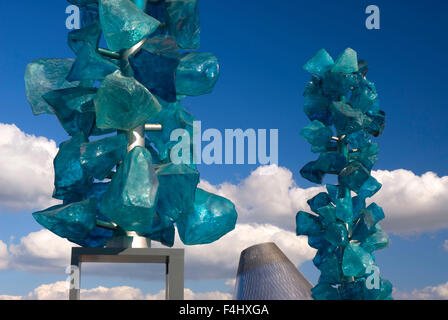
x=266, y=273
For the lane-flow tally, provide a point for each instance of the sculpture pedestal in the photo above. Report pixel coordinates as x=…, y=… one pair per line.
x=172, y=258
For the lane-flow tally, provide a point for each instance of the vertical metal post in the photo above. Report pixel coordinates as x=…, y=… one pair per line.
x=75, y=277
x=175, y=278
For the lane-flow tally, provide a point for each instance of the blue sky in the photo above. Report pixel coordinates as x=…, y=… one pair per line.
x=261, y=46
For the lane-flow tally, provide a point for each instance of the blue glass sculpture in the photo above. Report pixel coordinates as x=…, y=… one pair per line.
x=343, y=107
x=124, y=182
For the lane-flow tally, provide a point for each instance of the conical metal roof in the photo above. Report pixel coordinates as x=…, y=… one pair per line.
x=266, y=273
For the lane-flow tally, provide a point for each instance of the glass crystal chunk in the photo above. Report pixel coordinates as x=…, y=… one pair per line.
x=91, y=34
x=320, y=63
x=124, y=24
x=131, y=199
x=74, y=108
x=123, y=103
x=173, y=116
x=355, y=260
x=184, y=23
x=197, y=74
x=156, y=72
x=312, y=173
x=71, y=181
x=316, y=133
x=347, y=62
x=90, y=65
x=213, y=217
x=99, y=157
x=354, y=176
x=307, y=224
x=319, y=201
x=43, y=76
x=177, y=189
x=74, y=221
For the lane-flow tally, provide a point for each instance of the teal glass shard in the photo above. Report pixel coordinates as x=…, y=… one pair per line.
x=184, y=23
x=99, y=157
x=91, y=34
x=355, y=260
x=317, y=241
x=337, y=234
x=43, y=76
x=320, y=63
x=173, y=116
x=328, y=215
x=383, y=293
x=76, y=99
x=365, y=226
x=97, y=191
x=97, y=238
x=124, y=24
x=367, y=155
x=317, y=134
x=74, y=221
x=376, y=241
x=163, y=45
x=131, y=199
x=354, y=176
x=353, y=290
x=324, y=291
x=317, y=107
x=323, y=253
x=369, y=188
x=358, y=139
x=197, y=74
x=71, y=181
x=319, y=201
x=307, y=224
x=157, y=10
x=346, y=119
x=330, y=269
x=331, y=162
x=213, y=217
x=359, y=203
x=333, y=192
x=347, y=62
x=177, y=189
x=74, y=108
x=377, y=212
x=376, y=127
x=344, y=209
x=156, y=72
x=122, y=103
x=363, y=97
x=90, y=65
x=163, y=230
x=312, y=173
x=337, y=85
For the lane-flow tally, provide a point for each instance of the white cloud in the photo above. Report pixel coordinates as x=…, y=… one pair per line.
x=268, y=196
x=412, y=204
x=445, y=245
x=26, y=168
x=41, y=251
x=59, y=291
x=429, y=293
x=4, y=257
